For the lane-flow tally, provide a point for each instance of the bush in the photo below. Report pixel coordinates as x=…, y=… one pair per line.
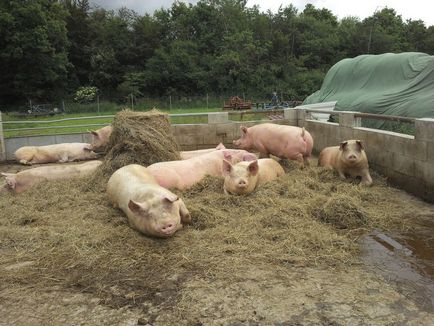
x=86, y=94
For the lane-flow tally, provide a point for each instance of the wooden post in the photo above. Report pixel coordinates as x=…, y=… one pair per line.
x=170, y=102
x=207, y=100
x=132, y=101
x=2, y=141
x=97, y=102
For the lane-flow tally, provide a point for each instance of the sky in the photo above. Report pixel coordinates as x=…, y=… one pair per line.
x=415, y=9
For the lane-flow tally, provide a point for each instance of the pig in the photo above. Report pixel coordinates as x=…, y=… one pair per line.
x=101, y=137
x=184, y=174
x=22, y=181
x=243, y=177
x=349, y=158
x=189, y=154
x=289, y=142
x=61, y=153
x=150, y=208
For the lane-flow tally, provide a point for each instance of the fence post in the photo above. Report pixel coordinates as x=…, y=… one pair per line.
x=207, y=100
x=97, y=103
x=2, y=141
x=170, y=102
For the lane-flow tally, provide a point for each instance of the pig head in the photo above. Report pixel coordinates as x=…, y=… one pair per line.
x=241, y=178
x=160, y=216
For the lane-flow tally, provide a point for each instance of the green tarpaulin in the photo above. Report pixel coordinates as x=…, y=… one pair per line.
x=392, y=84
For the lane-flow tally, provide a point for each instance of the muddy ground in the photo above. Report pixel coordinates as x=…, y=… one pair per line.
x=383, y=285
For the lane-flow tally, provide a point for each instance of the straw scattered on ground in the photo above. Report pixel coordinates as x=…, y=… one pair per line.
x=66, y=233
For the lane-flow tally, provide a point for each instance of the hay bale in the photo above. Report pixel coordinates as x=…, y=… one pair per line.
x=141, y=138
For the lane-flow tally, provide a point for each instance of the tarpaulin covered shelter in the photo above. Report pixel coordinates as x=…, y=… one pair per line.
x=391, y=84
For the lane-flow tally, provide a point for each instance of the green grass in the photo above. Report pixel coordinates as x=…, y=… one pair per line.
x=101, y=121
x=73, y=126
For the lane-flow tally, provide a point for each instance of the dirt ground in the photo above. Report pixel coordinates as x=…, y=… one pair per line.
x=359, y=292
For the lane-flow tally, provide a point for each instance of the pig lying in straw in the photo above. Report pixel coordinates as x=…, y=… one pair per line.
x=151, y=209
x=347, y=159
x=61, y=153
x=22, y=181
x=101, y=137
x=189, y=154
x=184, y=174
x=289, y=142
x=243, y=177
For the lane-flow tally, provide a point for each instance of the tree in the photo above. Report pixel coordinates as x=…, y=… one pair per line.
x=34, y=45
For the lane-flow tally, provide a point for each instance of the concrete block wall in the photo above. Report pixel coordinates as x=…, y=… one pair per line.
x=2, y=141
x=218, y=130
x=407, y=161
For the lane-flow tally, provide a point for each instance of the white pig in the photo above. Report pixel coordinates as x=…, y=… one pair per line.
x=185, y=155
x=347, y=159
x=61, y=153
x=22, y=181
x=243, y=177
x=150, y=208
x=101, y=137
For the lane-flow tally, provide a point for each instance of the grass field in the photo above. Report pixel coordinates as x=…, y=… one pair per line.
x=78, y=125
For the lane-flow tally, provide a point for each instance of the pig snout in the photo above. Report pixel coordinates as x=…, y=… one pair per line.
x=170, y=228
x=352, y=157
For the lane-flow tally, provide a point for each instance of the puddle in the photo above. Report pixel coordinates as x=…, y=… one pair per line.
x=405, y=260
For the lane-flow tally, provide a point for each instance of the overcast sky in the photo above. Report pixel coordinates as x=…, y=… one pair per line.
x=415, y=9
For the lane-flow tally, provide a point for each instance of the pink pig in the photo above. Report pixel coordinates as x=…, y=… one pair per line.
x=151, y=209
x=189, y=154
x=61, y=153
x=283, y=141
x=101, y=137
x=22, y=181
x=184, y=174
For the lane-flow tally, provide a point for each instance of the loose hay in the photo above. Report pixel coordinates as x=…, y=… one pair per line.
x=74, y=238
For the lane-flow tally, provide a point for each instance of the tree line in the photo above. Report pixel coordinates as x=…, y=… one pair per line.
x=50, y=48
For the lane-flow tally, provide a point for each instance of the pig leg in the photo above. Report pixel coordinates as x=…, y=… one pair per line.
x=366, y=178
x=300, y=159
x=63, y=158
x=306, y=160
x=25, y=162
x=341, y=174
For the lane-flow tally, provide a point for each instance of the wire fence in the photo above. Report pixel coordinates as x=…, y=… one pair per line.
x=100, y=105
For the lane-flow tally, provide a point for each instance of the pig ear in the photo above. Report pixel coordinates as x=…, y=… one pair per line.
x=243, y=129
x=343, y=145
x=136, y=207
x=359, y=142
x=249, y=157
x=170, y=198
x=184, y=213
x=253, y=168
x=227, y=168
x=93, y=132
x=220, y=146
x=227, y=155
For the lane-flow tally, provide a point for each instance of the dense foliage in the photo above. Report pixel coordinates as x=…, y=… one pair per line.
x=52, y=48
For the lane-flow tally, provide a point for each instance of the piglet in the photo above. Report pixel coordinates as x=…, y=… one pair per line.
x=243, y=177
x=61, y=153
x=347, y=159
x=150, y=208
x=283, y=141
